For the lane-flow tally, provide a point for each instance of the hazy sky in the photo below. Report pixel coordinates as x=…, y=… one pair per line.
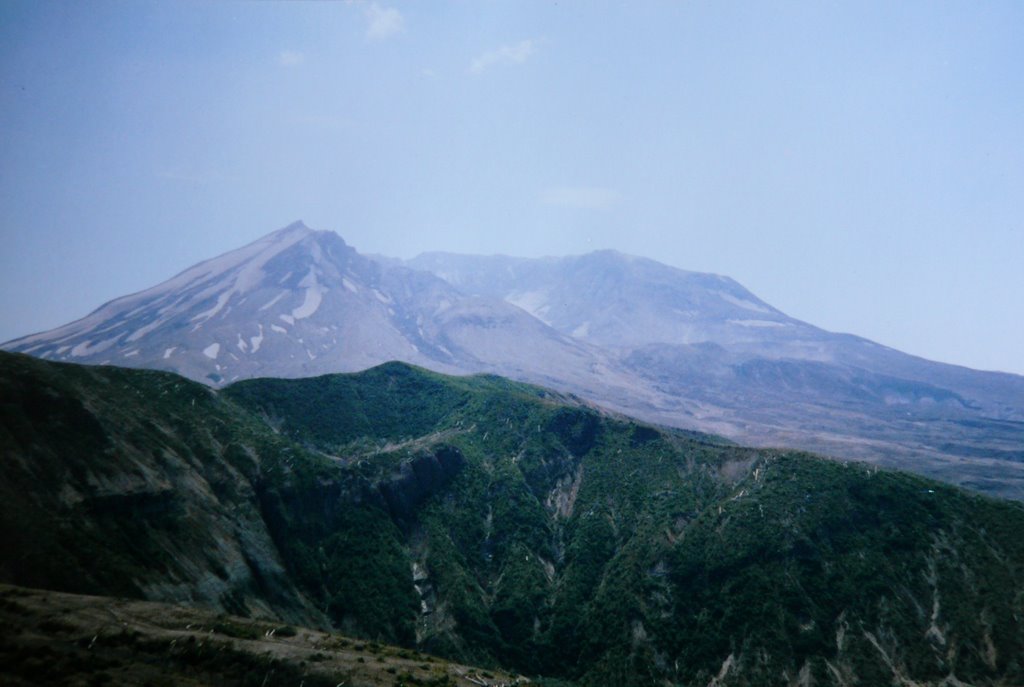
x=858, y=165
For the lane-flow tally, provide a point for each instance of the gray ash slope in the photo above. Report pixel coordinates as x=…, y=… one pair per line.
x=725, y=361
x=681, y=348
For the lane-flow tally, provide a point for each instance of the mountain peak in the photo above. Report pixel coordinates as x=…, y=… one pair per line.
x=296, y=228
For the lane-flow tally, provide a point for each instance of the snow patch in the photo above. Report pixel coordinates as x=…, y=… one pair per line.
x=169, y=352
x=275, y=299
x=349, y=285
x=222, y=300
x=582, y=330
x=242, y=346
x=287, y=318
x=255, y=341
x=132, y=353
x=757, y=323
x=742, y=302
x=142, y=331
x=279, y=330
x=87, y=347
x=533, y=302
x=314, y=295
x=381, y=297
x=211, y=351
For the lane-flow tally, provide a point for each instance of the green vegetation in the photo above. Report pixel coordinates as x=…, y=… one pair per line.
x=499, y=524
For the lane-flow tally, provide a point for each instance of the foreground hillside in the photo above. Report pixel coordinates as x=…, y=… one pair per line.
x=52, y=638
x=500, y=524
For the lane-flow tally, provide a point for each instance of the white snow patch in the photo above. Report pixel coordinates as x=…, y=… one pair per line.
x=757, y=323
x=349, y=285
x=131, y=353
x=62, y=350
x=211, y=351
x=314, y=295
x=255, y=341
x=279, y=330
x=581, y=330
x=242, y=346
x=169, y=352
x=88, y=348
x=287, y=318
x=452, y=277
x=742, y=302
x=533, y=302
x=275, y=299
x=381, y=297
x=142, y=331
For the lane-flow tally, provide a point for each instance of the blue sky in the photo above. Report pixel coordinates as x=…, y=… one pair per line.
x=858, y=165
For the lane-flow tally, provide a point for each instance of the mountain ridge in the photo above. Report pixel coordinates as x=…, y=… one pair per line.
x=671, y=346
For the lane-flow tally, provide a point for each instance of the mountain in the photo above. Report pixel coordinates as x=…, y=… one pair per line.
x=678, y=348
x=720, y=359
x=295, y=303
x=300, y=302
x=140, y=484
x=617, y=300
x=494, y=523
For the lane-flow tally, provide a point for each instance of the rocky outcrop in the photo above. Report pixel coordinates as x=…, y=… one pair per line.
x=417, y=479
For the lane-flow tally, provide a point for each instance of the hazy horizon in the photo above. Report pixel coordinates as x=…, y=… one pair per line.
x=858, y=167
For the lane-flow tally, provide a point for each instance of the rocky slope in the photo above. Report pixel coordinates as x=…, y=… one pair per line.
x=501, y=524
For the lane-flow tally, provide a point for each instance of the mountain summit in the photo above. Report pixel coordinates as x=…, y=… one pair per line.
x=229, y=316
x=300, y=302
x=680, y=348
